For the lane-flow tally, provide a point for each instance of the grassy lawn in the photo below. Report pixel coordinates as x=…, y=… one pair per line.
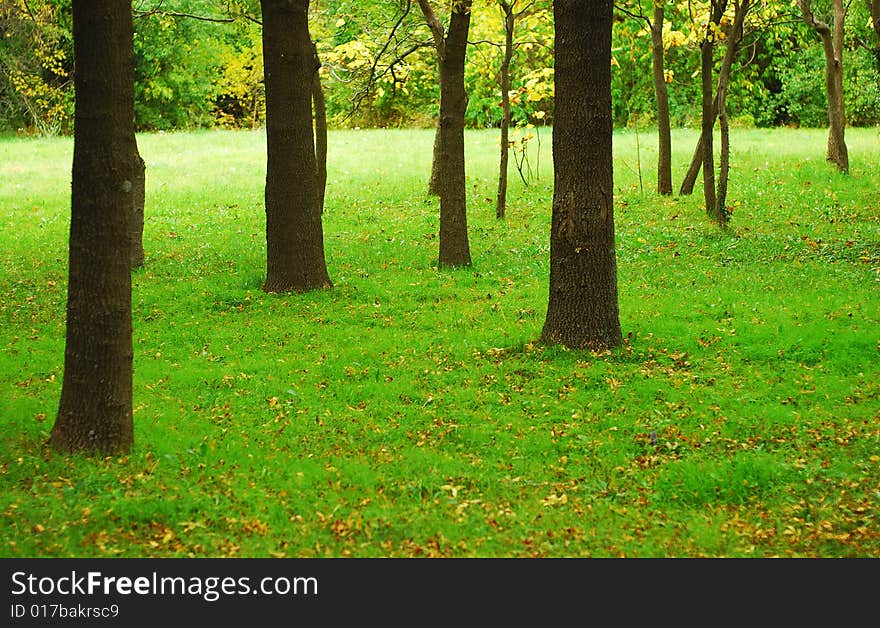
x=412, y=412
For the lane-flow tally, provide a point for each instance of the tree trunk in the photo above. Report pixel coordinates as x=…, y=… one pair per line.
x=832, y=45
x=294, y=233
x=708, y=117
x=837, y=151
x=138, y=198
x=434, y=181
x=720, y=209
x=509, y=25
x=664, y=138
x=454, y=247
x=582, y=309
x=730, y=50
x=319, y=105
x=95, y=410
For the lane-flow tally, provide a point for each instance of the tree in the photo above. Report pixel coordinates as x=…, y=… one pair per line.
x=294, y=231
x=510, y=17
x=654, y=25
x=832, y=45
x=138, y=198
x=95, y=411
x=509, y=26
x=582, y=310
x=451, y=46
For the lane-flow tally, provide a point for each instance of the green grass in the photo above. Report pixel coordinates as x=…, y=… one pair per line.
x=411, y=412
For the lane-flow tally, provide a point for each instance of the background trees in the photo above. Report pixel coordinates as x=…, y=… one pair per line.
x=201, y=73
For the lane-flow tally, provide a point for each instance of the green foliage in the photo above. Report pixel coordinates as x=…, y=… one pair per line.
x=196, y=73
x=36, y=61
x=176, y=61
x=410, y=412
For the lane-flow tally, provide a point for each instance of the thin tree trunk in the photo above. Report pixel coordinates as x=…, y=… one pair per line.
x=434, y=181
x=661, y=93
x=294, y=233
x=708, y=117
x=454, y=246
x=720, y=208
x=319, y=105
x=582, y=309
x=509, y=25
x=730, y=50
x=95, y=410
x=837, y=151
x=439, y=37
x=832, y=45
x=138, y=198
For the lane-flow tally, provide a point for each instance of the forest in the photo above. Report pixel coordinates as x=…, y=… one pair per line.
x=423, y=278
x=198, y=64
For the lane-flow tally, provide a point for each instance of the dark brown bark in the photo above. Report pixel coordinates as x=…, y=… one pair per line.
x=95, y=410
x=509, y=26
x=454, y=246
x=832, y=45
x=138, y=198
x=294, y=232
x=582, y=309
x=661, y=93
x=319, y=105
x=708, y=118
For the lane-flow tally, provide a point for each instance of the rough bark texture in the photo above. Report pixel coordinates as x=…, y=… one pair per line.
x=138, y=198
x=664, y=137
x=95, y=410
x=832, y=45
x=294, y=232
x=509, y=25
x=454, y=246
x=319, y=105
x=451, y=50
x=582, y=308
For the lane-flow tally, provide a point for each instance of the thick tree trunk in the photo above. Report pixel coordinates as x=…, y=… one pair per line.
x=664, y=136
x=454, y=246
x=95, y=411
x=509, y=25
x=319, y=105
x=582, y=309
x=138, y=198
x=294, y=233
